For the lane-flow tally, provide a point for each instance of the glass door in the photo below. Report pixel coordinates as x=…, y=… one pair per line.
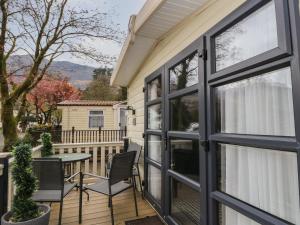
x=185, y=155
x=154, y=127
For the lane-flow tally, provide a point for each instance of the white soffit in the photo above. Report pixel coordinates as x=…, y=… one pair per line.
x=156, y=18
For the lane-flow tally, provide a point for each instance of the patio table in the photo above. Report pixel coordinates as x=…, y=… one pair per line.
x=72, y=158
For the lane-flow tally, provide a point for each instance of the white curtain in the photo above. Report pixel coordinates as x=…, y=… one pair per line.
x=264, y=178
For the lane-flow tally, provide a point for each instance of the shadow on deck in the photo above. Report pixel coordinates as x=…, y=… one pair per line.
x=96, y=210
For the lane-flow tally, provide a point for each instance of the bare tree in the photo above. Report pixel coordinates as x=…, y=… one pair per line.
x=43, y=30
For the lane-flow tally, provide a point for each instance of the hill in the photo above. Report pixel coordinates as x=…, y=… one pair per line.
x=79, y=75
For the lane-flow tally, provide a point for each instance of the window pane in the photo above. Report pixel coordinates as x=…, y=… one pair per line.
x=228, y=216
x=154, y=117
x=154, y=182
x=184, y=113
x=252, y=36
x=185, y=157
x=261, y=105
x=154, y=89
x=185, y=204
x=154, y=147
x=267, y=179
x=185, y=74
x=96, y=121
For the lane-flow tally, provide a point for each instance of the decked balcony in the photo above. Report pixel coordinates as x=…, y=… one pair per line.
x=95, y=211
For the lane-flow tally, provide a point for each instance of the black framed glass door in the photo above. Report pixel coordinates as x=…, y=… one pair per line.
x=154, y=139
x=175, y=159
x=185, y=135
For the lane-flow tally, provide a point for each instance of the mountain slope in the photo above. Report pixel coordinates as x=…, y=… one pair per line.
x=79, y=75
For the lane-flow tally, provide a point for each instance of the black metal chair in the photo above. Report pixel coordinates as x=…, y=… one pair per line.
x=136, y=170
x=51, y=183
x=114, y=184
x=133, y=147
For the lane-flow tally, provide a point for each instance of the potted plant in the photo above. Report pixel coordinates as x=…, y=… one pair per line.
x=47, y=145
x=24, y=210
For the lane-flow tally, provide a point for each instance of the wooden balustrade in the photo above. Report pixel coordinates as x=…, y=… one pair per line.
x=100, y=152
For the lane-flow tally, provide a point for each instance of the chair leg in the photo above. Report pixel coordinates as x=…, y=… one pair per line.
x=140, y=181
x=111, y=211
x=135, y=203
x=60, y=211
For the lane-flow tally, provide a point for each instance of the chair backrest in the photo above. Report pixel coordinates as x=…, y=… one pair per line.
x=137, y=148
x=121, y=167
x=49, y=172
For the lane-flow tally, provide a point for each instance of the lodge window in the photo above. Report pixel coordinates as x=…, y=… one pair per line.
x=96, y=119
x=185, y=73
x=254, y=144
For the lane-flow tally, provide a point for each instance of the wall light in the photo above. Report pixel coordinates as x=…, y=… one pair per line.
x=132, y=109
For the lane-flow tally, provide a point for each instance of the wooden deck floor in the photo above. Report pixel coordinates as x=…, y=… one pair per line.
x=96, y=211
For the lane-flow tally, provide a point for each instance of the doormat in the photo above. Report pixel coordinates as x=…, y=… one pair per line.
x=152, y=220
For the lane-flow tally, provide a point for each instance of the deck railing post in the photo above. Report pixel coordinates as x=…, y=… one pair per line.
x=99, y=138
x=4, y=160
x=73, y=132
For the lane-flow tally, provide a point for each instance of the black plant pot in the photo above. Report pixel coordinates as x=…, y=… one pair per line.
x=42, y=220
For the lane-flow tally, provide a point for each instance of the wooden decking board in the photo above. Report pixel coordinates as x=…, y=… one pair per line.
x=96, y=211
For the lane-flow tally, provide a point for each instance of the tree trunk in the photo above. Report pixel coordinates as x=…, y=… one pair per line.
x=9, y=125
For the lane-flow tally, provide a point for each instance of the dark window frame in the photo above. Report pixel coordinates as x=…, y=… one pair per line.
x=283, y=31
x=287, y=11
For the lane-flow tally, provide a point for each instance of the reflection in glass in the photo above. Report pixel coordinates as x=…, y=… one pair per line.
x=252, y=36
x=185, y=204
x=185, y=158
x=154, y=89
x=228, y=216
x=154, y=147
x=184, y=113
x=260, y=105
x=154, y=182
x=154, y=117
x=185, y=74
x=267, y=179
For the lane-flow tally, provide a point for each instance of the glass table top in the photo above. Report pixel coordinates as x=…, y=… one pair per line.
x=72, y=157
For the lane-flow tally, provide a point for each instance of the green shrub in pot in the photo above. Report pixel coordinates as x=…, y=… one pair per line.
x=24, y=209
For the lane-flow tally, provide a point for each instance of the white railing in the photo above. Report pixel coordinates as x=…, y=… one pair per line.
x=98, y=150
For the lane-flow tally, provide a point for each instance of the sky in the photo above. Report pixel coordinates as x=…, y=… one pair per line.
x=121, y=11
